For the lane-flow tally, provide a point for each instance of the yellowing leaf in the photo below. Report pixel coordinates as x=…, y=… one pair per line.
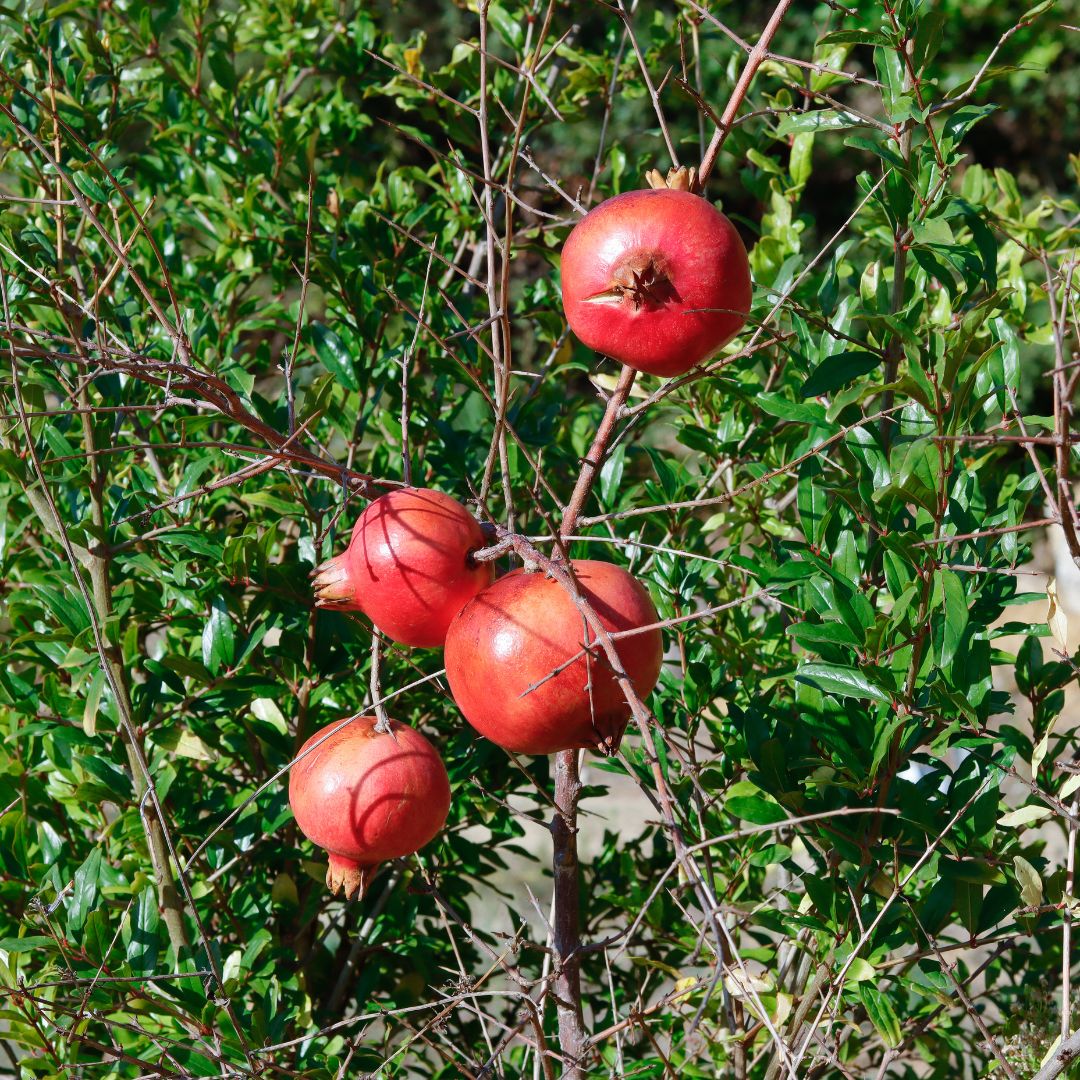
x=1039, y=753
x=1024, y=816
x=607, y=384
x=284, y=891
x=882, y=885
x=93, y=701
x=232, y=966
x=860, y=970
x=1031, y=886
x=1050, y=1051
x=191, y=746
x=742, y=984
x=784, y=1005
x=1069, y=786
x=1056, y=618
x=266, y=709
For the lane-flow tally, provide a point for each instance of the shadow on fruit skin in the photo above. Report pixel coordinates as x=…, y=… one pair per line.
x=375, y=822
x=529, y=690
x=411, y=570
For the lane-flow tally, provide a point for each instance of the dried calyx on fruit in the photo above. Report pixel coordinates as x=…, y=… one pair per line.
x=527, y=671
x=408, y=566
x=656, y=279
x=366, y=797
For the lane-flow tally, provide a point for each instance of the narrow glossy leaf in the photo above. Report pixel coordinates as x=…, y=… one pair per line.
x=842, y=681
x=31, y=943
x=754, y=809
x=881, y=1013
x=218, y=639
x=83, y=891
x=836, y=371
x=89, y=186
x=334, y=356
x=140, y=932
x=818, y=120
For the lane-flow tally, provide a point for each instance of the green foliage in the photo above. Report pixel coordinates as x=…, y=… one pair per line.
x=266, y=219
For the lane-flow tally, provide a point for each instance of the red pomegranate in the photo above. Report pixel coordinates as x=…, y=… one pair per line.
x=367, y=796
x=510, y=659
x=407, y=567
x=658, y=280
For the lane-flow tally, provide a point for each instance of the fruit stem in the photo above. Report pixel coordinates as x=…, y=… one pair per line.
x=382, y=721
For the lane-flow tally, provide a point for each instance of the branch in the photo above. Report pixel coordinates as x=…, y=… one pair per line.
x=594, y=459
x=757, y=57
x=566, y=936
x=1061, y=1059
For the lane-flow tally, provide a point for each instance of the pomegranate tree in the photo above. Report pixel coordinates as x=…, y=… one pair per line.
x=527, y=672
x=367, y=796
x=407, y=566
x=656, y=279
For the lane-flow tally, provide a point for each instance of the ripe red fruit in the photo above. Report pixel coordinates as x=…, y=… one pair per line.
x=367, y=796
x=658, y=280
x=510, y=660
x=407, y=567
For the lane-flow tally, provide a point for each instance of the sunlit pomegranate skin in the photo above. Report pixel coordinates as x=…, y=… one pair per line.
x=407, y=567
x=658, y=280
x=510, y=660
x=367, y=796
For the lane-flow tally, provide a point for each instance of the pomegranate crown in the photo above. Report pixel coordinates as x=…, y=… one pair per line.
x=677, y=179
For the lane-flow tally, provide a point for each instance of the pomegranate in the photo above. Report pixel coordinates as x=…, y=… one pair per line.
x=515, y=661
x=407, y=567
x=367, y=796
x=658, y=280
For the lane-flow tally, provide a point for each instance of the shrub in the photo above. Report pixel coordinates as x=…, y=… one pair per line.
x=256, y=258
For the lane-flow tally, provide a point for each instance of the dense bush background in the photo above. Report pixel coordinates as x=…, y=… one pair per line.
x=240, y=242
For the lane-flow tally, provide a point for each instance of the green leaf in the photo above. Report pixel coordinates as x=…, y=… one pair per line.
x=817, y=120
x=140, y=932
x=881, y=1013
x=886, y=153
x=854, y=37
x=813, y=500
x=825, y=633
x=836, y=371
x=334, y=356
x=89, y=186
x=31, y=943
x=218, y=640
x=779, y=406
x=961, y=121
x=949, y=597
x=754, y=809
x=842, y=682
x=83, y=892
x=611, y=473
x=222, y=68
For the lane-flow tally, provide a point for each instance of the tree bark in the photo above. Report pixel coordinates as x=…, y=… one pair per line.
x=566, y=936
